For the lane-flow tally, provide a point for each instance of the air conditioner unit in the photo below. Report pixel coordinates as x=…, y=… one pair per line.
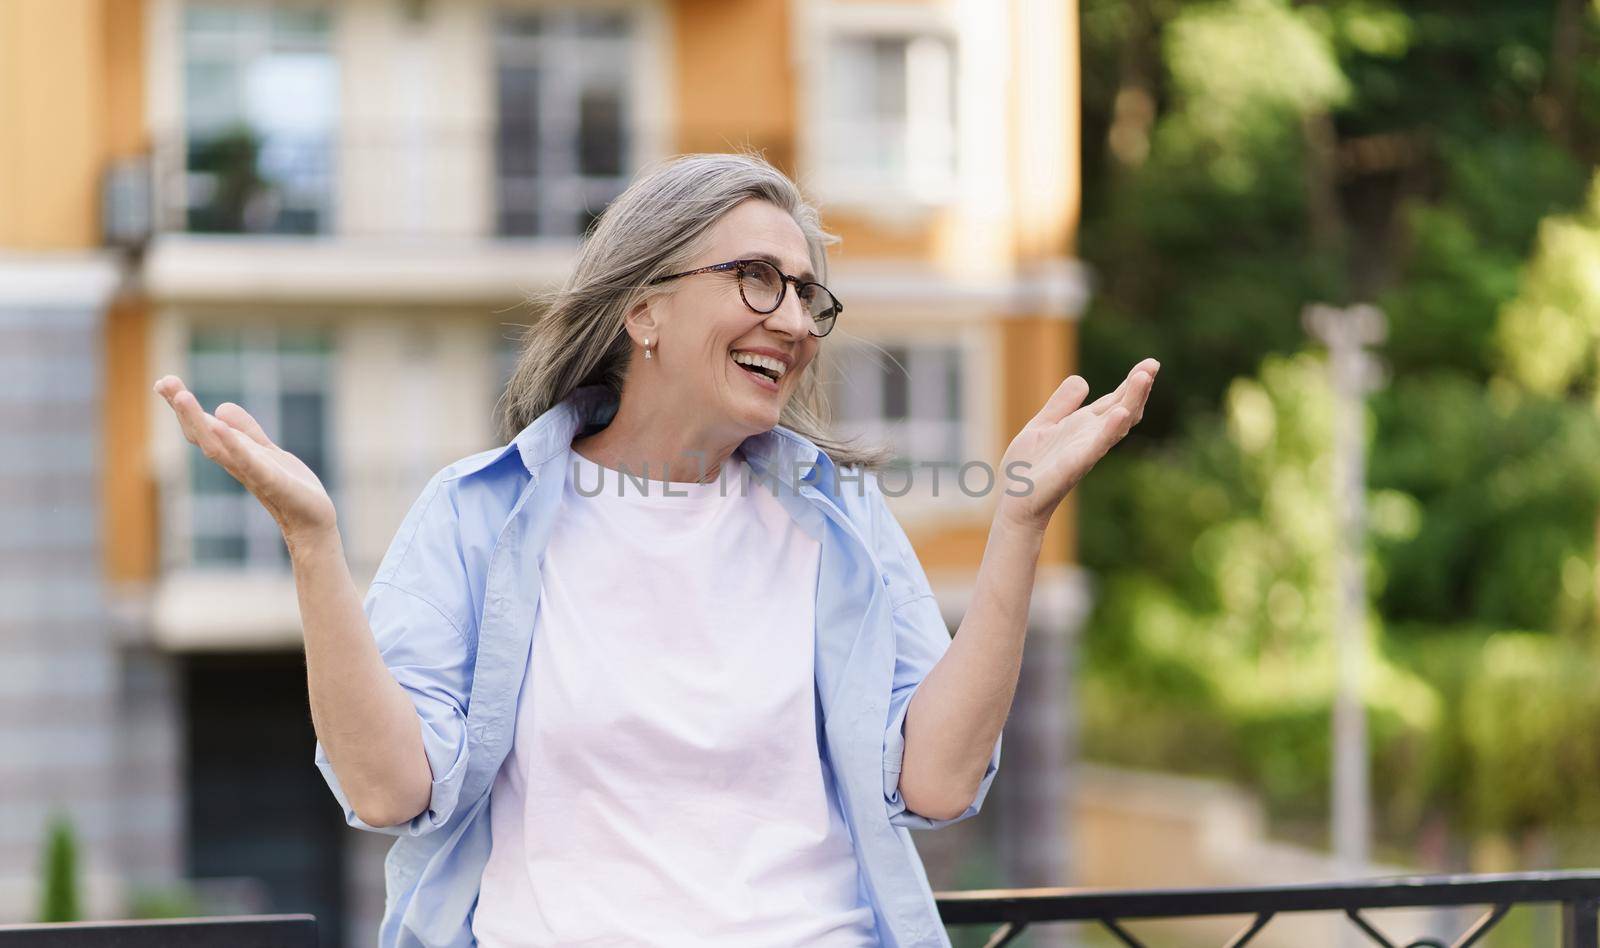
x=127, y=203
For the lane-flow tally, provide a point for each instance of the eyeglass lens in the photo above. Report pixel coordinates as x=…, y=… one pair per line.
x=763, y=289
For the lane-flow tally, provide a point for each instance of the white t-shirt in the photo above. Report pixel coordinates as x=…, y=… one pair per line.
x=665, y=785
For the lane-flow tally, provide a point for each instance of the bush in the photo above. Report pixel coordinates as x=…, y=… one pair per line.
x=59, y=900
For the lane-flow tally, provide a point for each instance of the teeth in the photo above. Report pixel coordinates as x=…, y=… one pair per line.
x=776, y=367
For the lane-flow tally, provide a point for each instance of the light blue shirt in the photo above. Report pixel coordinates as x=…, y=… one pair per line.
x=452, y=607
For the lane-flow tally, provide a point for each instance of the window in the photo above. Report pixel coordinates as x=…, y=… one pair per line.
x=907, y=394
x=261, y=92
x=281, y=376
x=564, y=146
x=889, y=114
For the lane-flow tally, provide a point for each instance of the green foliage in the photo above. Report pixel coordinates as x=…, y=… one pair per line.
x=231, y=160
x=59, y=899
x=1443, y=314
x=1530, y=715
x=1243, y=73
x=1549, y=333
x=1194, y=245
x=1508, y=487
x=1230, y=668
x=1366, y=28
x=1431, y=156
x=172, y=901
x=1465, y=253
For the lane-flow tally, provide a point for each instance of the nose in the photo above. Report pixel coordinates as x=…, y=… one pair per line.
x=791, y=317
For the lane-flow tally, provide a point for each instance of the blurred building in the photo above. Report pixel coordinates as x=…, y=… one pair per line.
x=330, y=213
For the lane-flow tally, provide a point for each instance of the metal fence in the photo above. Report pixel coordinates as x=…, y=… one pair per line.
x=1013, y=910
x=1577, y=894
x=245, y=931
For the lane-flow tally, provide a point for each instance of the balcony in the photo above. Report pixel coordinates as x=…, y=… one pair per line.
x=353, y=217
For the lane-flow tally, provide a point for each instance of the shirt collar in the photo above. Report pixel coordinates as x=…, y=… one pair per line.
x=778, y=452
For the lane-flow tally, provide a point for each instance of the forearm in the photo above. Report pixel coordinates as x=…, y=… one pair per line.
x=957, y=713
x=367, y=724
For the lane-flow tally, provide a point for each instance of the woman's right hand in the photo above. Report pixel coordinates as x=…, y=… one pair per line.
x=283, y=484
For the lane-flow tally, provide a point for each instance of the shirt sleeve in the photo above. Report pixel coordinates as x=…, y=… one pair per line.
x=422, y=636
x=921, y=639
x=428, y=657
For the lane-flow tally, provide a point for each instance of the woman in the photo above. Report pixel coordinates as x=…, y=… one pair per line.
x=599, y=713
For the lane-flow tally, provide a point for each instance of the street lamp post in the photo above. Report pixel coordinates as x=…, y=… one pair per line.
x=1347, y=333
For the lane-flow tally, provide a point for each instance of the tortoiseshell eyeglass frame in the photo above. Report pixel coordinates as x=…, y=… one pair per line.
x=784, y=279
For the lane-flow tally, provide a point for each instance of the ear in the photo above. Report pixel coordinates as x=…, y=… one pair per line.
x=641, y=321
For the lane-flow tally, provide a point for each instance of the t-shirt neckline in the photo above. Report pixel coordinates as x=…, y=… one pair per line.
x=592, y=480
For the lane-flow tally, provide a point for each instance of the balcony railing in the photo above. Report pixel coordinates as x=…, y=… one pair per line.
x=454, y=181
x=1576, y=893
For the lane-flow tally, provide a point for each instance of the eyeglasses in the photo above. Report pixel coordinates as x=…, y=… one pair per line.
x=762, y=285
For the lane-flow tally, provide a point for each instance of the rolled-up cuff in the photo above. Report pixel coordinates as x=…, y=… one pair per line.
x=894, y=751
x=446, y=748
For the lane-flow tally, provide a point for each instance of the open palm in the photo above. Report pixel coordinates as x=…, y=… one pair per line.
x=283, y=483
x=1061, y=443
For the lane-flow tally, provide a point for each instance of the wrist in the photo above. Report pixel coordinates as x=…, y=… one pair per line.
x=1019, y=525
x=311, y=541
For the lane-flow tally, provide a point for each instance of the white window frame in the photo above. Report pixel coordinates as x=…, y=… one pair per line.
x=979, y=380
x=261, y=385
x=925, y=370
x=819, y=27
x=646, y=94
x=173, y=123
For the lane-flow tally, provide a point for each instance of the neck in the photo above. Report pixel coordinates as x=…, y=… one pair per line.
x=648, y=437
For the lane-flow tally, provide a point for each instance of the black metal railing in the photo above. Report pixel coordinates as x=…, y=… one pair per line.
x=1576, y=893
x=243, y=931
x=1013, y=910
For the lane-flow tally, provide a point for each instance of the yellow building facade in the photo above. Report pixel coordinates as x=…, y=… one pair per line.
x=330, y=212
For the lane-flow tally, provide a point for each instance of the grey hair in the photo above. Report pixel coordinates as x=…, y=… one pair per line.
x=656, y=226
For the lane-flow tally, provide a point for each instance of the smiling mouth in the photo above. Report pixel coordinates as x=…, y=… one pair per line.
x=764, y=367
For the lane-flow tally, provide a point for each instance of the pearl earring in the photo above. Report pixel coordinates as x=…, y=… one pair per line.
x=647, y=349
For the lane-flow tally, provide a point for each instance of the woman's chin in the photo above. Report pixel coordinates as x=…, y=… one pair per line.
x=755, y=417
x=750, y=406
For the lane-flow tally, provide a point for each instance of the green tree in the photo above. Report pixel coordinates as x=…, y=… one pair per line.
x=1229, y=666
x=1243, y=158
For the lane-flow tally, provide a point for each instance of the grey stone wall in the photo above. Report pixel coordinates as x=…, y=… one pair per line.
x=59, y=671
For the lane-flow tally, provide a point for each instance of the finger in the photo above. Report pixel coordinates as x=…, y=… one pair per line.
x=1066, y=399
x=187, y=410
x=170, y=387
x=1118, y=421
x=241, y=420
x=1137, y=395
x=198, y=426
x=239, y=453
x=166, y=385
x=1104, y=403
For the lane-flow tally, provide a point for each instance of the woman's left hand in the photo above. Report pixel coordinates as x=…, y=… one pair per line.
x=1064, y=441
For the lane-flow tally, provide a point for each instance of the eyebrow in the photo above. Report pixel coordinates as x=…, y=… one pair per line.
x=805, y=275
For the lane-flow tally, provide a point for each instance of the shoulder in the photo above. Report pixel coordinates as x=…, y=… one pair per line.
x=862, y=500
x=442, y=547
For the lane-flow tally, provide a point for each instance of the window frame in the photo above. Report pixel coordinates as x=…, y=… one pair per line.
x=643, y=95
x=975, y=347
x=261, y=388
x=239, y=49
x=819, y=28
